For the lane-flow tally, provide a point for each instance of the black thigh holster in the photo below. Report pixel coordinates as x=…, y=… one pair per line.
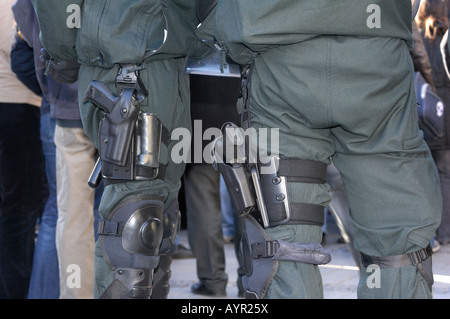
x=130, y=142
x=258, y=187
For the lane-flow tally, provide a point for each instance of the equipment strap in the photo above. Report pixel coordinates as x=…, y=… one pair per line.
x=397, y=261
x=303, y=171
x=307, y=214
x=300, y=214
x=156, y=173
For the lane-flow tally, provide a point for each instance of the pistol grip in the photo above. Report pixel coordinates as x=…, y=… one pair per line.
x=101, y=96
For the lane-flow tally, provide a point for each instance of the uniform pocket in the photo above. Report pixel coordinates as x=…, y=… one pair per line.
x=120, y=33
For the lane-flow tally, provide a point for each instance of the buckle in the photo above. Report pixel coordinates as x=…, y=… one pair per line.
x=265, y=250
x=272, y=247
x=109, y=228
x=418, y=256
x=126, y=76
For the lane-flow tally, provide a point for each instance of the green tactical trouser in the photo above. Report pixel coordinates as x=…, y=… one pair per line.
x=168, y=97
x=351, y=100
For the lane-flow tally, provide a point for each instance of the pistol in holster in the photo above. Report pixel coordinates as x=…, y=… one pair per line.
x=129, y=140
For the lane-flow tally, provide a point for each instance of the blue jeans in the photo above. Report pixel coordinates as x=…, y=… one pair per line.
x=44, y=282
x=21, y=195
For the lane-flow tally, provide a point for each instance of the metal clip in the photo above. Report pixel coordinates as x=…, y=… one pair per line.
x=128, y=78
x=126, y=75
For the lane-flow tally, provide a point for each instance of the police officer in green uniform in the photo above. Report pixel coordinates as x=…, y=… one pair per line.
x=336, y=79
x=128, y=57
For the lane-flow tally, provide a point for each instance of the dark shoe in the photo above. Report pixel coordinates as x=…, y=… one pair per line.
x=201, y=289
x=324, y=239
x=183, y=253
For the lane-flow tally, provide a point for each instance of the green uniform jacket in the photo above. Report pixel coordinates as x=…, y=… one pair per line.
x=145, y=30
x=247, y=28
x=101, y=34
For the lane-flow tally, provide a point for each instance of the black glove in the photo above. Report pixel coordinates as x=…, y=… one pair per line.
x=64, y=71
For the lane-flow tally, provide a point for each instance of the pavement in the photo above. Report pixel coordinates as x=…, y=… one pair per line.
x=340, y=277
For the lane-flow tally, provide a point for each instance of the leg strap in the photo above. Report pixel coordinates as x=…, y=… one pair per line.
x=421, y=259
x=398, y=260
x=270, y=181
x=261, y=188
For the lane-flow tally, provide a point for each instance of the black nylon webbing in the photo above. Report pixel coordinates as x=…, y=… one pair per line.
x=398, y=260
x=301, y=214
x=310, y=214
x=140, y=171
x=303, y=171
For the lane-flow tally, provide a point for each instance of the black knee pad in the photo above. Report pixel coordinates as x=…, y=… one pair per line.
x=137, y=232
x=132, y=235
x=171, y=227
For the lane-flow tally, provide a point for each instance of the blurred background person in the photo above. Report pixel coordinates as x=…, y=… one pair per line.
x=66, y=237
x=21, y=168
x=213, y=102
x=432, y=21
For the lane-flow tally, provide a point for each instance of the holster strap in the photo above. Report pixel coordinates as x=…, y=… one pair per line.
x=310, y=253
x=310, y=214
x=303, y=171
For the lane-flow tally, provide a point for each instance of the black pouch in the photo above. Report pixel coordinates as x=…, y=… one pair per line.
x=430, y=109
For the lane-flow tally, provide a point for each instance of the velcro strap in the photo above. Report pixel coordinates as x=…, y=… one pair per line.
x=303, y=171
x=397, y=261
